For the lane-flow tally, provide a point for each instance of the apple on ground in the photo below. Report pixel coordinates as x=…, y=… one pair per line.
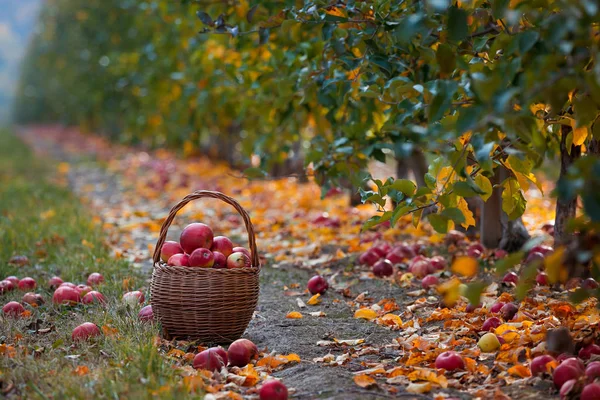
x=95, y=278
x=488, y=343
x=317, y=284
x=590, y=284
x=241, y=352
x=508, y=311
x=569, y=388
x=238, y=260
x=209, y=359
x=438, y=263
x=592, y=371
x=6, y=286
x=33, y=299
x=13, y=309
x=169, y=249
x=55, y=282
x=545, y=250
x=429, y=281
x=382, y=268
x=68, y=284
x=196, y=236
x=27, y=283
x=179, y=260
x=471, y=307
x=500, y=253
x=134, y=297
x=66, y=295
x=223, y=245
x=93, y=297
x=450, y=361
x=491, y=323
x=564, y=373
x=496, y=307
x=273, y=389
x=511, y=277
x=474, y=252
x=85, y=331
x=586, y=352
x=542, y=279
x=421, y=268
x=83, y=289
x=13, y=279
x=146, y=314
x=369, y=258
x=454, y=237
x=538, y=364
x=591, y=392
x=220, y=260
x=201, y=258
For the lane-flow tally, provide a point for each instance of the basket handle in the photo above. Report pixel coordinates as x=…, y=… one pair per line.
x=199, y=194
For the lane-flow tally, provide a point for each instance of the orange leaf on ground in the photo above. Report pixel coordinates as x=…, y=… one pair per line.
x=392, y=320
x=251, y=375
x=81, y=370
x=365, y=313
x=294, y=315
x=466, y=266
x=520, y=371
x=313, y=301
x=364, y=381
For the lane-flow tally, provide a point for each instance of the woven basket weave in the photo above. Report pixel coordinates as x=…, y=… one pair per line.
x=207, y=304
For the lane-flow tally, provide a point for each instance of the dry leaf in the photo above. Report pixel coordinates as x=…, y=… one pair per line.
x=294, y=315
x=365, y=313
x=419, y=388
x=313, y=301
x=364, y=381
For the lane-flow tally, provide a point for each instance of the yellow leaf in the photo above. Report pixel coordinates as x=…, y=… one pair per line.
x=419, y=388
x=313, y=301
x=553, y=263
x=251, y=375
x=391, y=320
x=364, y=381
x=466, y=266
x=81, y=370
x=365, y=313
x=422, y=374
x=464, y=208
x=269, y=361
x=520, y=371
x=292, y=357
x=580, y=133
x=294, y=315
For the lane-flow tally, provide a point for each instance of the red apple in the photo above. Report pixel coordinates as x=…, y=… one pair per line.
x=221, y=352
x=429, y=281
x=317, y=284
x=133, y=298
x=242, y=250
x=95, y=278
x=394, y=257
x=55, y=282
x=146, y=314
x=454, y=236
x=273, y=389
x=542, y=279
x=169, y=249
x=13, y=279
x=592, y=371
x=202, y=258
x=421, y=268
x=500, y=253
x=382, y=268
x=380, y=252
x=418, y=248
x=471, y=307
x=241, y=352
x=438, y=263
x=450, y=361
x=93, y=297
x=13, y=309
x=208, y=359
x=27, y=283
x=33, y=299
x=538, y=364
x=66, y=295
x=574, y=362
x=83, y=289
x=179, y=260
x=496, y=307
x=589, y=284
x=474, y=253
x=6, y=286
x=545, y=250
x=491, y=324
x=406, y=251
x=68, y=284
x=220, y=260
x=586, y=352
x=511, y=277
x=238, y=260
x=196, y=236
x=369, y=258
x=508, y=311
x=573, y=283
x=85, y=331
x=569, y=388
x=384, y=248
x=591, y=392
x=223, y=245
x=564, y=373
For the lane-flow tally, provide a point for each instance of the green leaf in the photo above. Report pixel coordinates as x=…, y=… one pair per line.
x=205, y=18
x=438, y=222
x=398, y=213
x=254, y=173
x=486, y=186
x=405, y=186
x=527, y=40
x=454, y=214
x=376, y=220
x=473, y=292
x=446, y=58
x=513, y=201
x=457, y=24
x=526, y=281
x=463, y=189
x=508, y=262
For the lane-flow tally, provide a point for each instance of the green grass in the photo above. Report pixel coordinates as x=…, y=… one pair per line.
x=41, y=219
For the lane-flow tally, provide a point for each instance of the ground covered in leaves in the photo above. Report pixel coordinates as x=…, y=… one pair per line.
x=365, y=338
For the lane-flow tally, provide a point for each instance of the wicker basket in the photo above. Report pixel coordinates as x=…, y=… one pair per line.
x=207, y=304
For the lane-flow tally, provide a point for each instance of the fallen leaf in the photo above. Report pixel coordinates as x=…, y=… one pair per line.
x=349, y=342
x=317, y=314
x=81, y=370
x=419, y=388
x=520, y=370
x=300, y=303
x=365, y=313
x=364, y=381
x=294, y=315
x=313, y=301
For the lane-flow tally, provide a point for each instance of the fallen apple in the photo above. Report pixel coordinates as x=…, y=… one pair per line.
x=241, y=352
x=13, y=279
x=209, y=359
x=33, y=299
x=496, y=307
x=55, y=282
x=592, y=371
x=491, y=323
x=93, y=297
x=429, y=281
x=273, y=389
x=382, y=268
x=201, y=258
x=569, y=388
x=169, y=249
x=488, y=343
x=66, y=295
x=85, y=331
x=438, y=263
x=586, y=352
x=511, y=277
x=542, y=279
x=508, y=311
x=196, y=236
x=146, y=314
x=564, y=373
x=134, y=297
x=238, y=260
x=421, y=268
x=317, y=284
x=27, y=283
x=450, y=361
x=13, y=309
x=574, y=362
x=83, y=289
x=538, y=364
x=591, y=392
x=6, y=286
x=95, y=278
x=589, y=284
x=369, y=258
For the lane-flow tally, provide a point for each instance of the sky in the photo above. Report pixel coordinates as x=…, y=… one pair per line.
x=17, y=21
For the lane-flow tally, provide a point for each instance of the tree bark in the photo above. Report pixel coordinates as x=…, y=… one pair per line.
x=565, y=209
x=419, y=166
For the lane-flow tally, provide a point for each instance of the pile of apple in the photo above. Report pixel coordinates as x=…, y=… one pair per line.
x=240, y=353
x=199, y=248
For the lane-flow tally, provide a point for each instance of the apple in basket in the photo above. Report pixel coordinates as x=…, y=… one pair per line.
x=202, y=258
x=238, y=260
x=196, y=236
x=169, y=249
x=220, y=260
x=223, y=245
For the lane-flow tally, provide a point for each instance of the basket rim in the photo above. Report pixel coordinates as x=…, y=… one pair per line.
x=200, y=270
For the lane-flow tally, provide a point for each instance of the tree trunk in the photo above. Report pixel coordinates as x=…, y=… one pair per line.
x=491, y=224
x=565, y=209
x=419, y=166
